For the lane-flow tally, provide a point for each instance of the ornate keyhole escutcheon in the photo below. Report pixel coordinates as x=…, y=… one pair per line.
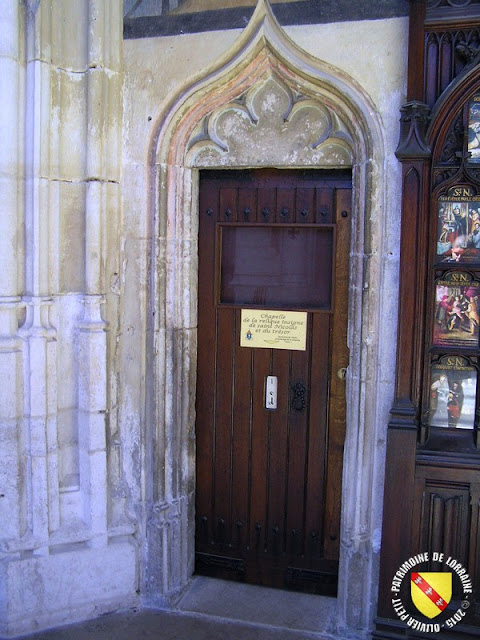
x=298, y=399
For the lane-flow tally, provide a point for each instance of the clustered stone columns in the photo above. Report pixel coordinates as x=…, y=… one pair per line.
x=66, y=546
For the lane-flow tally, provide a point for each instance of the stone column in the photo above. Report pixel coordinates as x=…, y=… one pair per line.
x=103, y=106
x=37, y=331
x=64, y=117
x=13, y=514
x=170, y=525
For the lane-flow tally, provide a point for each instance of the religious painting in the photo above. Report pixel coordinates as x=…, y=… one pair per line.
x=474, y=129
x=457, y=298
x=458, y=238
x=453, y=391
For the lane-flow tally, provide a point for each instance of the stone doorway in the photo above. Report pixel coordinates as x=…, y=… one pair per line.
x=265, y=104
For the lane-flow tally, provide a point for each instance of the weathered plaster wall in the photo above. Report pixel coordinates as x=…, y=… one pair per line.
x=373, y=53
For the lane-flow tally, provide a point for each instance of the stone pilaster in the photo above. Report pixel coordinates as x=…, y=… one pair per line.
x=13, y=512
x=13, y=496
x=92, y=411
x=40, y=407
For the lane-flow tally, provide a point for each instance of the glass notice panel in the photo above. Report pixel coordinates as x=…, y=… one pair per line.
x=276, y=266
x=453, y=393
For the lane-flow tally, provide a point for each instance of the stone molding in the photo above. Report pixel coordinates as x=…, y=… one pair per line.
x=199, y=127
x=239, y=132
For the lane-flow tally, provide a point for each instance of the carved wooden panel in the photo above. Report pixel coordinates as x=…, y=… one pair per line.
x=447, y=52
x=442, y=510
x=446, y=517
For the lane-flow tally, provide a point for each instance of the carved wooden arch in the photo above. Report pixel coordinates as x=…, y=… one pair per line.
x=446, y=110
x=184, y=129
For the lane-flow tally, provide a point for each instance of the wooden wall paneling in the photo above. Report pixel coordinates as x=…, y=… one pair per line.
x=398, y=506
x=444, y=517
x=474, y=547
x=431, y=493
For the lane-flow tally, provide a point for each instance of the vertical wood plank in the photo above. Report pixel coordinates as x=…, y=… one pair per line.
x=317, y=434
x=242, y=426
x=278, y=452
x=323, y=205
x=304, y=205
x=297, y=428
x=224, y=375
x=259, y=453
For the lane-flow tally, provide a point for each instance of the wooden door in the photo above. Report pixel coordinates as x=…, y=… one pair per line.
x=268, y=487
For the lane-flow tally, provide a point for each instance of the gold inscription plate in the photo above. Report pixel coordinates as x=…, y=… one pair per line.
x=274, y=329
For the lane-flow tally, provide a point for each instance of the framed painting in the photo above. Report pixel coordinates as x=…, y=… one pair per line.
x=456, y=320
x=458, y=224
x=453, y=392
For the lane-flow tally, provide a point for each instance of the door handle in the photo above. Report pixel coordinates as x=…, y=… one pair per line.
x=342, y=373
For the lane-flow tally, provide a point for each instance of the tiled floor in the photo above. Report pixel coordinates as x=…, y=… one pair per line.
x=215, y=610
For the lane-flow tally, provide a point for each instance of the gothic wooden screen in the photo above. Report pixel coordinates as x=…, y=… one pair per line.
x=432, y=487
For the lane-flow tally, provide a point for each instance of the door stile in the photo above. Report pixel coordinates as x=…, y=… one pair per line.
x=340, y=360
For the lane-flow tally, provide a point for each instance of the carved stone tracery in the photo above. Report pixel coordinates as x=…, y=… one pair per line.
x=271, y=110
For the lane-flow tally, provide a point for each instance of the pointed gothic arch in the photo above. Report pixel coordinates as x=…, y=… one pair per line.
x=259, y=91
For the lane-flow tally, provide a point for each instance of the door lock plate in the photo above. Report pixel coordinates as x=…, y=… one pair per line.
x=271, y=392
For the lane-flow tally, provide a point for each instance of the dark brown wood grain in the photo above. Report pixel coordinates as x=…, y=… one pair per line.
x=269, y=482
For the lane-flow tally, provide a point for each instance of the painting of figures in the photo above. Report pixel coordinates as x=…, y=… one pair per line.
x=457, y=312
x=453, y=394
x=459, y=230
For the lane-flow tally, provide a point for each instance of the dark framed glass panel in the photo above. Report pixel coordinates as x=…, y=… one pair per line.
x=277, y=266
x=453, y=393
x=457, y=319
x=458, y=214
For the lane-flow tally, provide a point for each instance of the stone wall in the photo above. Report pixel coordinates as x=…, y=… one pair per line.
x=67, y=549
